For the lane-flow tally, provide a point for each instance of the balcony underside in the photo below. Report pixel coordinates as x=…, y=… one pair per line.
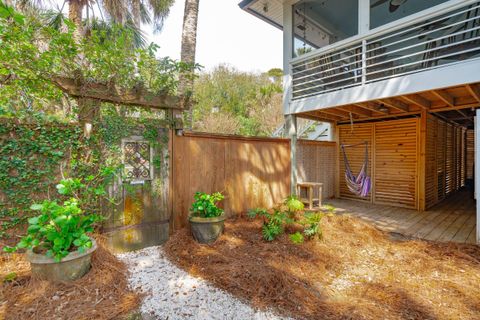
x=455, y=104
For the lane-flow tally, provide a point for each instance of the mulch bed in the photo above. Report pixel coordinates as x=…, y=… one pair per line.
x=101, y=294
x=354, y=272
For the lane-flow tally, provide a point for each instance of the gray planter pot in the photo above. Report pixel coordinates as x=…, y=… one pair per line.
x=72, y=267
x=206, y=230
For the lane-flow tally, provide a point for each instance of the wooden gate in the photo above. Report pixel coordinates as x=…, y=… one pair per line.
x=140, y=216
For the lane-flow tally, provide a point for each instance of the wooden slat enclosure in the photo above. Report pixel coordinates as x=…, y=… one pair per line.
x=355, y=155
x=396, y=163
x=441, y=153
x=431, y=174
x=316, y=163
x=251, y=172
x=392, y=160
x=445, y=156
x=470, y=149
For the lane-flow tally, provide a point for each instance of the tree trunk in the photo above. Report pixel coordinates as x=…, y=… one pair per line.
x=88, y=109
x=88, y=114
x=136, y=13
x=189, y=42
x=75, y=9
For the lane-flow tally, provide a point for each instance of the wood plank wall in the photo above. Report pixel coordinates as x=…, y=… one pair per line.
x=392, y=159
x=355, y=155
x=441, y=153
x=431, y=173
x=447, y=144
x=470, y=149
x=251, y=172
x=396, y=163
x=316, y=163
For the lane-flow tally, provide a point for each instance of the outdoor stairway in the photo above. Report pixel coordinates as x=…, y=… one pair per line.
x=309, y=130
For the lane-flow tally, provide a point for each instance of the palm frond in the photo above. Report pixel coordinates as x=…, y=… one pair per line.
x=160, y=10
x=116, y=10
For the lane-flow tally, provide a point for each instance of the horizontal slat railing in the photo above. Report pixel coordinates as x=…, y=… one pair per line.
x=438, y=40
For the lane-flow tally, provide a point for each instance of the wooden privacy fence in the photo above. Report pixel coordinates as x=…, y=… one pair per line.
x=251, y=172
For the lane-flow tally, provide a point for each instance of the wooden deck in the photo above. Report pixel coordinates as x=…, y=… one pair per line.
x=453, y=219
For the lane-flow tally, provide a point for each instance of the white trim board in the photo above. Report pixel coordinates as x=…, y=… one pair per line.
x=442, y=77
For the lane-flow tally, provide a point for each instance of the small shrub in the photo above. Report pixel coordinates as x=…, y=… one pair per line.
x=205, y=205
x=273, y=222
x=293, y=204
x=311, y=222
x=59, y=228
x=296, y=238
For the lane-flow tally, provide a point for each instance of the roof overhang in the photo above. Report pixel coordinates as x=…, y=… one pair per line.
x=270, y=11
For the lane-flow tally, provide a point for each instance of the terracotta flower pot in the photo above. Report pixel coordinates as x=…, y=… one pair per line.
x=206, y=230
x=72, y=267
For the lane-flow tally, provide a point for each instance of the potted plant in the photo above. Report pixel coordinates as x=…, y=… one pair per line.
x=57, y=242
x=206, y=219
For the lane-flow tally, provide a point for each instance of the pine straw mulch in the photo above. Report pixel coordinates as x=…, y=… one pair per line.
x=101, y=294
x=355, y=272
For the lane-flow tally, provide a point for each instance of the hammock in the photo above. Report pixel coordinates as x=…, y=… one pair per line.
x=359, y=185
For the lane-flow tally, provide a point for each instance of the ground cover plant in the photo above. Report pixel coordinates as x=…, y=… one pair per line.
x=287, y=217
x=354, y=272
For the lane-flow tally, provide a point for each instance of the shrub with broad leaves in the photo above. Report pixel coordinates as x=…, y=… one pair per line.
x=205, y=205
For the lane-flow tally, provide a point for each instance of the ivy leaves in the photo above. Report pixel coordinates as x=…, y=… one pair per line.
x=29, y=156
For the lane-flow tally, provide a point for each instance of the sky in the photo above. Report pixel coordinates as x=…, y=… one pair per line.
x=226, y=35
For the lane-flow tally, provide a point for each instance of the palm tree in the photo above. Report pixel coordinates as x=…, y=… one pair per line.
x=189, y=43
x=134, y=12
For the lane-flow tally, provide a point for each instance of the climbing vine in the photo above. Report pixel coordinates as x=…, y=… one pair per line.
x=30, y=156
x=35, y=156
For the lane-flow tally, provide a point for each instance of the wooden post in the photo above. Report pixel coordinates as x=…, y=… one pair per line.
x=291, y=127
x=477, y=170
x=422, y=160
x=287, y=54
x=336, y=138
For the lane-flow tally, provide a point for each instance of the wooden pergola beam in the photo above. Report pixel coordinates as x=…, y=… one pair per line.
x=445, y=97
x=395, y=104
x=418, y=101
x=115, y=94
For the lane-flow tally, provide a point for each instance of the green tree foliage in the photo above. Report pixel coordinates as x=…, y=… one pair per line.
x=32, y=54
x=235, y=102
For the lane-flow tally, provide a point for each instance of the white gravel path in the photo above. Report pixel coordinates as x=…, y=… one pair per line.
x=172, y=294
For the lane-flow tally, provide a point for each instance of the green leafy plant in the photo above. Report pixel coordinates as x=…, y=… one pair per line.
x=296, y=237
x=205, y=205
x=293, y=204
x=273, y=222
x=59, y=228
x=311, y=222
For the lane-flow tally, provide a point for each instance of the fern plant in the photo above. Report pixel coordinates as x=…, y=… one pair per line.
x=311, y=222
x=293, y=204
x=273, y=222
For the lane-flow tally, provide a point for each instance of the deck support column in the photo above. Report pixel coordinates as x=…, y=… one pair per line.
x=291, y=129
x=476, y=177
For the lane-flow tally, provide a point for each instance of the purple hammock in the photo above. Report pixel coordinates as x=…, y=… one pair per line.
x=359, y=185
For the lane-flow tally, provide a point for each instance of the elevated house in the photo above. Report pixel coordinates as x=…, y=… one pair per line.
x=399, y=76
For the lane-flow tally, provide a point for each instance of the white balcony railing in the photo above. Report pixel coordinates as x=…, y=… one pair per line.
x=438, y=40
